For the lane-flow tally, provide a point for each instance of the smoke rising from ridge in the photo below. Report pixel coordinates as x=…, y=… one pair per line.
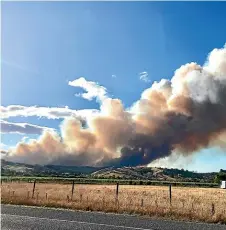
x=185, y=114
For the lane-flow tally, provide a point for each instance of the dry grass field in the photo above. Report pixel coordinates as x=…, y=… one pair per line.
x=203, y=204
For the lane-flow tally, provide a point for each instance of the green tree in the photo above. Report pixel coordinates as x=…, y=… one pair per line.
x=220, y=176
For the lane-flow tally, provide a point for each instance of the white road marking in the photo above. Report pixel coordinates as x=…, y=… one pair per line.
x=74, y=221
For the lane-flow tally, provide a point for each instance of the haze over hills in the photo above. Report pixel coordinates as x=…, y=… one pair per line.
x=130, y=173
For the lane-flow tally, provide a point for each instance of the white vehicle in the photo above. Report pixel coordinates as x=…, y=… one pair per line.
x=223, y=184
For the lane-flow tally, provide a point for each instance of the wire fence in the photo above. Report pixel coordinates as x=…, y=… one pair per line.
x=199, y=203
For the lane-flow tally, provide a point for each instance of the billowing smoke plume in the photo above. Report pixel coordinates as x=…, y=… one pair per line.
x=185, y=114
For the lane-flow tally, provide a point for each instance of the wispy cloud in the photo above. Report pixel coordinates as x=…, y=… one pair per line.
x=22, y=128
x=93, y=89
x=144, y=77
x=47, y=112
x=18, y=66
x=113, y=76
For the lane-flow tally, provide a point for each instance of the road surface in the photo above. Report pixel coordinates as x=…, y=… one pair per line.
x=22, y=217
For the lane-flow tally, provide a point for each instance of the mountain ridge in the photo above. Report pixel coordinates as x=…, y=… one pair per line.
x=140, y=172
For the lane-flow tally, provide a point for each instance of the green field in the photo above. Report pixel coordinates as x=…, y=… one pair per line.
x=105, y=181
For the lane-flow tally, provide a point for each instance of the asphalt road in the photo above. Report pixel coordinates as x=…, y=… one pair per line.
x=21, y=217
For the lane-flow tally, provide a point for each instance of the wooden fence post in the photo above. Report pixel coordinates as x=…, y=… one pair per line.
x=46, y=196
x=156, y=204
x=72, y=190
x=117, y=191
x=213, y=209
x=103, y=200
x=33, y=189
x=170, y=193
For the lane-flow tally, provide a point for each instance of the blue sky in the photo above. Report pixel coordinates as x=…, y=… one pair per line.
x=46, y=44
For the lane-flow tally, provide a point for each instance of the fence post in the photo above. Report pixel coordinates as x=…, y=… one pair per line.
x=46, y=196
x=72, y=190
x=33, y=189
x=142, y=202
x=117, y=190
x=170, y=193
x=28, y=192
x=213, y=209
x=103, y=200
x=156, y=204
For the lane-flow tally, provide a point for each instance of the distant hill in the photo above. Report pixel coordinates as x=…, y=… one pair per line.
x=153, y=173
x=130, y=173
x=19, y=169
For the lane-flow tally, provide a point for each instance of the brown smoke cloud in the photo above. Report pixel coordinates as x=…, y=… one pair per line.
x=185, y=114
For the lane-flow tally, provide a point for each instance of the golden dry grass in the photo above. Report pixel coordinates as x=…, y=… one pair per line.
x=204, y=204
